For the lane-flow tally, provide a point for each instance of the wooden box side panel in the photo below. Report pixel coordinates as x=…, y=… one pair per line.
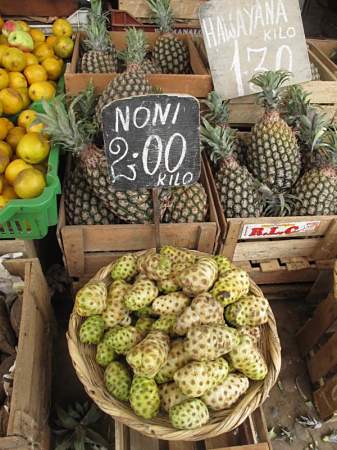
x=325, y=398
x=323, y=48
x=187, y=9
x=31, y=390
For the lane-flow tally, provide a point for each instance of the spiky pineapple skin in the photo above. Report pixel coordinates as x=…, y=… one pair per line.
x=128, y=84
x=99, y=62
x=274, y=157
x=188, y=204
x=128, y=206
x=82, y=206
x=315, y=193
x=237, y=190
x=171, y=54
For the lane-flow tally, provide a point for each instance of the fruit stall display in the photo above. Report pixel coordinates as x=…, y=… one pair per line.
x=31, y=67
x=326, y=50
x=171, y=62
x=283, y=172
x=167, y=363
x=26, y=319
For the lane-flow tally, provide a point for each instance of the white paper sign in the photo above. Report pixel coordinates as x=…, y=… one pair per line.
x=264, y=231
x=243, y=37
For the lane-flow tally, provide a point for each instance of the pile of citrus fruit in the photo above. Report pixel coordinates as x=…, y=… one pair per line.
x=30, y=65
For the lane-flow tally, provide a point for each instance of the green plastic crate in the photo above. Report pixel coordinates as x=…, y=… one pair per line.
x=30, y=219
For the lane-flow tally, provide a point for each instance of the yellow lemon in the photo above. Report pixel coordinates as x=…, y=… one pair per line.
x=4, y=79
x=3, y=39
x=3, y=48
x=3, y=202
x=43, y=51
x=11, y=101
x=24, y=25
x=33, y=148
x=64, y=47
x=26, y=117
x=17, y=80
x=2, y=22
x=14, y=136
x=41, y=90
x=2, y=182
x=4, y=161
x=35, y=73
x=25, y=97
x=9, y=193
x=30, y=59
x=61, y=27
x=1, y=109
x=29, y=183
x=14, y=168
x=6, y=148
x=37, y=36
x=5, y=126
x=53, y=68
x=51, y=41
x=13, y=60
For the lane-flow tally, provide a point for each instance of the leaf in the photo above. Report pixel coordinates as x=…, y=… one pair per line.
x=66, y=444
x=92, y=415
x=79, y=443
x=66, y=421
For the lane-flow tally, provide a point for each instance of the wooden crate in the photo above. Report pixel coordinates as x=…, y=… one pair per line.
x=251, y=435
x=198, y=84
x=322, y=48
x=27, y=248
x=86, y=248
x=292, y=257
x=29, y=411
x=182, y=10
x=318, y=344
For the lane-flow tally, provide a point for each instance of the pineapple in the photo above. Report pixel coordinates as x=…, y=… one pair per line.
x=316, y=190
x=170, y=53
x=132, y=82
x=295, y=104
x=188, y=204
x=316, y=76
x=218, y=114
x=82, y=207
x=238, y=190
x=100, y=54
x=274, y=156
x=74, y=131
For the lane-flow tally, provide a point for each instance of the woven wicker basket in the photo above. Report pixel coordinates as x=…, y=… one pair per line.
x=91, y=376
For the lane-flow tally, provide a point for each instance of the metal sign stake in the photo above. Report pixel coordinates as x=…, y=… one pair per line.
x=156, y=218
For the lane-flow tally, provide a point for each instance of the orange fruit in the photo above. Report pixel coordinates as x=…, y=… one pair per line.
x=14, y=136
x=30, y=59
x=29, y=183
x=6, y=148
x=51, y=41
x=37, y=35
x=14, y=168
x=11, y=100
x=9, y=193
x=17, y=80
x=61, y=27
x=43, y=51
x=35, y=73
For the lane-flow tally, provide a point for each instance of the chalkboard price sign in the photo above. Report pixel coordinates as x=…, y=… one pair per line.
x=152, y=141
x=243, y=37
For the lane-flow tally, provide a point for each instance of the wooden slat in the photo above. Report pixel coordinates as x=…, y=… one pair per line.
x=13, y=442
x=284, y=276
x=17, y=245
x=321, y=287
x=325, y=398
x=273, y=249
x=325, y=73
x=232, y=237
x=270, y=265
x=297, y=263
x=263, y=446
x=322, y=48
x=182, y=445
x=324, y=360
x=328, y=248
x=224, y=440
x=324, y=315
x=122, y=436
x=140, y=442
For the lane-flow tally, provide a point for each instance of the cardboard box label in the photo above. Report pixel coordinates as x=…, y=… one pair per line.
x=263, y=231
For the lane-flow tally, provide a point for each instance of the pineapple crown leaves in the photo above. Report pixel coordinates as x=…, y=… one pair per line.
x=73, y=427
x=71, y=128
x=98, y=38
x=278, y=204
x=271, y=83
x=218, y=109
x=164, y=17
x=312, y=130
x=136, y=47
x=217, y=140
x=296, y=103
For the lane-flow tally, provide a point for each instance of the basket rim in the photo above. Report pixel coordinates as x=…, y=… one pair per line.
x=221, y=422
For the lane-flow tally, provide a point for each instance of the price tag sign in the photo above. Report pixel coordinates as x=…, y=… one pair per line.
x=243, y=37
x=152, y=141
